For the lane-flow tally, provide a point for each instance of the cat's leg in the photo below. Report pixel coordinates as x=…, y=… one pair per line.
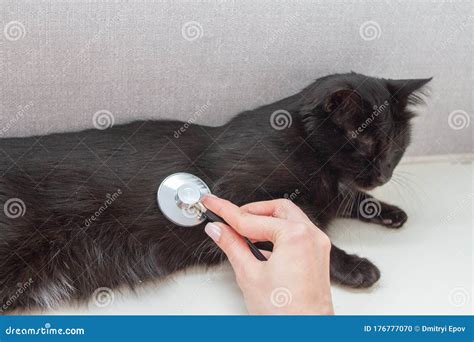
x=359, y=205
x=346, y=269
x=352, y=270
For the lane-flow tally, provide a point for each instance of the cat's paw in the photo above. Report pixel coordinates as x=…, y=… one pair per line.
x=391, y=216
x=357, y=272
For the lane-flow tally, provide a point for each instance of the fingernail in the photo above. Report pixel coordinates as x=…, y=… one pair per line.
x=214, y=231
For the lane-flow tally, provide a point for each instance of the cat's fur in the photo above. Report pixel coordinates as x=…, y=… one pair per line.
x=91, y=219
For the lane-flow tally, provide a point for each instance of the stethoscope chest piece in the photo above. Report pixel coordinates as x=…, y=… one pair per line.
x=177, y=196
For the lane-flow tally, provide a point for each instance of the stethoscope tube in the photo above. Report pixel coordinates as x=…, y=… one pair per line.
x=254, y=249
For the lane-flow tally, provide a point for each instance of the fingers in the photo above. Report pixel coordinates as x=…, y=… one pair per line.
x=233, y=245
x=281, y=208
x=265, y=208
x=260, y=228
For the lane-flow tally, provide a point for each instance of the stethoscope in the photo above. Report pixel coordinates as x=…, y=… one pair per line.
x=179, y=198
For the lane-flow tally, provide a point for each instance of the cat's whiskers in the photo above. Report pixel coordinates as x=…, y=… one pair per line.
x=357, y=201
x=349, y=204
x=353, y=201
x=402, y=181
x=396, y=184
x=341, y=202
x=345, y=196
x=406, y=183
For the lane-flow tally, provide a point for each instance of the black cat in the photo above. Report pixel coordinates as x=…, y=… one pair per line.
x=80, y=212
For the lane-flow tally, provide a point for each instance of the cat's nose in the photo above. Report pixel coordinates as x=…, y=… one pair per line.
x=383, y=172
x=383, y=177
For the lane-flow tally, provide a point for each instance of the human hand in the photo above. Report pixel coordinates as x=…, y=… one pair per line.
x=295, y=279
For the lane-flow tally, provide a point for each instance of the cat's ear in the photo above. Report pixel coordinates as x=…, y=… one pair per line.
x=407, y=91
x=343, y=106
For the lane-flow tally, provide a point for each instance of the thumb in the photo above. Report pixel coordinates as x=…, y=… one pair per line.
x=232, y=244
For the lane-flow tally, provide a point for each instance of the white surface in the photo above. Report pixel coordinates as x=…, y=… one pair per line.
x=426, y=266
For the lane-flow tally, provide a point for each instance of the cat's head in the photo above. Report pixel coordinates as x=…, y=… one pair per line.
x=360, y=125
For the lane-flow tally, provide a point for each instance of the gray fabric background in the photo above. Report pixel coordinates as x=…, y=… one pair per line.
x=62, y=61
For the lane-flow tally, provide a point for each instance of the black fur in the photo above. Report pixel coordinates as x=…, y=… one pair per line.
x=64, y=250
